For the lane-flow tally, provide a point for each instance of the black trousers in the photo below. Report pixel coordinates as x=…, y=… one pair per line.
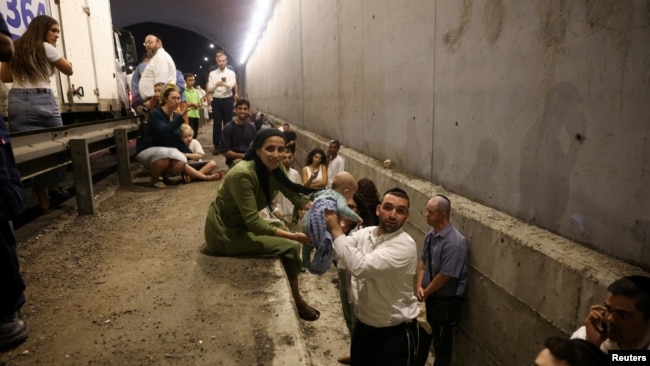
x=443, y=313
x=194, y=123
x=222, y=114
x=11, y=282
x=386, y=346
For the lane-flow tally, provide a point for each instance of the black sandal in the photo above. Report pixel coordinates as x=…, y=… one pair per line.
x=307, y=312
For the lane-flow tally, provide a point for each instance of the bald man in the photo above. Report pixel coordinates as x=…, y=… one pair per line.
x=442, y=276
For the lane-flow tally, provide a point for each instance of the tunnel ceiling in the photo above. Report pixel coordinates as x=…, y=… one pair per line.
x=224, y=22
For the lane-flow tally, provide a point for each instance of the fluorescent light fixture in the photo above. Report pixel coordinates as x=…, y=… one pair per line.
x=261, y=15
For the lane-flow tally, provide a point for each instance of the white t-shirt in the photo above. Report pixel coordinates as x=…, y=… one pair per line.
x=195, y=147
x=53, y=56
x=334, y=166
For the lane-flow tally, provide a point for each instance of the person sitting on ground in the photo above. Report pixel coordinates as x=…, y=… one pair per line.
x=195, y=156
x=161, y=148
x=314, y=173
x=284, y=209
x=261, y=122
x=290, y=136
x=624, y=320
x=575, y=352
x=233, y=226
x=237, y=134
x=313, y=222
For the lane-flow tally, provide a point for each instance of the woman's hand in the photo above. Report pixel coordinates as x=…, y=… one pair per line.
x=303, y=238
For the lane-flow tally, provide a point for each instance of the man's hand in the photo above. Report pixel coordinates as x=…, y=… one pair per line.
x=596, y=325
x=333, y=224
x=419, y=293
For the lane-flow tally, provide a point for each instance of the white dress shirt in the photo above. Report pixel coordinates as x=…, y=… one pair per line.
x=160, y=69
x=217, y=76
x=383, y=269
x=281, y=202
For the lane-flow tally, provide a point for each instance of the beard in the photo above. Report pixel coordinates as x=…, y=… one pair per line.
x=152, y=53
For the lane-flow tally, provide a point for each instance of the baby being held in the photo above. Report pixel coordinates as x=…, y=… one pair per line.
x=335, y=199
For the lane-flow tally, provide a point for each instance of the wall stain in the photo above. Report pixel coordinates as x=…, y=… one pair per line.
x=453, y=36
x=617, y=17
x=482, y=173
x=553, y=15
x=548, y=155
x=493, y=12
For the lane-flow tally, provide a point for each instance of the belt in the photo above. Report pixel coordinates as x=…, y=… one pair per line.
x=389, y=329
x=33, y=90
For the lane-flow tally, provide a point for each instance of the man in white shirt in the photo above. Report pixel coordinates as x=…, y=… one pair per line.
x=335, y=162
x=160, y=69
x=220, y=84
x=623, y=321
x=382, y=261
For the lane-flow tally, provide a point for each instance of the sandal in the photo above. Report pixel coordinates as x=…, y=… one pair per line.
x=307, y=312
x=159, y=184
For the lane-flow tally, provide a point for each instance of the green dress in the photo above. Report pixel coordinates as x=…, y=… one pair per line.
x=234, y=227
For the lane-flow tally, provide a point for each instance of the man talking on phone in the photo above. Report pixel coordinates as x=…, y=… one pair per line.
x=220, y=84
x=623, y=321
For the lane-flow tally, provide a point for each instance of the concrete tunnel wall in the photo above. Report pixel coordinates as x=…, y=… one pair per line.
x=539, y=109
x=527, y=113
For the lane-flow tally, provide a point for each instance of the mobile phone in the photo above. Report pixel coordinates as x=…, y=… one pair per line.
x=223, y=79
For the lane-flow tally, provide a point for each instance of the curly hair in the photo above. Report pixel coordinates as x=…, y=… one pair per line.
x=30, y=61
x=313, y=153
x=368, y=200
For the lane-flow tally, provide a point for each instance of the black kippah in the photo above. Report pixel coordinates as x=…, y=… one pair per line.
x=642, y=282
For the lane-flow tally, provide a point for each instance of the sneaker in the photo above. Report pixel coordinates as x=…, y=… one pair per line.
x=13, y=332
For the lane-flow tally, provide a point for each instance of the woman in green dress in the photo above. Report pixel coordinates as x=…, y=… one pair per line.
x=234, y=227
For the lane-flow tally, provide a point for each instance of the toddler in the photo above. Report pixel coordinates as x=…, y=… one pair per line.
x=194, y=158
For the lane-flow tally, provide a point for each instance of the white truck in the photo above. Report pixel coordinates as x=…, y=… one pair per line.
x=100, y=56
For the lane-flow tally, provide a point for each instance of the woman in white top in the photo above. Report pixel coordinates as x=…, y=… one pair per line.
x=31, y=102
x=314, y=173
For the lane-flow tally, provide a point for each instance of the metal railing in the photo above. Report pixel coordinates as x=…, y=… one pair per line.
x=40, y=151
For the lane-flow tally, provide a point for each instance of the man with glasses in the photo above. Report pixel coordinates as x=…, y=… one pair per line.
x=442, y=276
x=382, y=261
x=623, y=321
x=160, y=69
